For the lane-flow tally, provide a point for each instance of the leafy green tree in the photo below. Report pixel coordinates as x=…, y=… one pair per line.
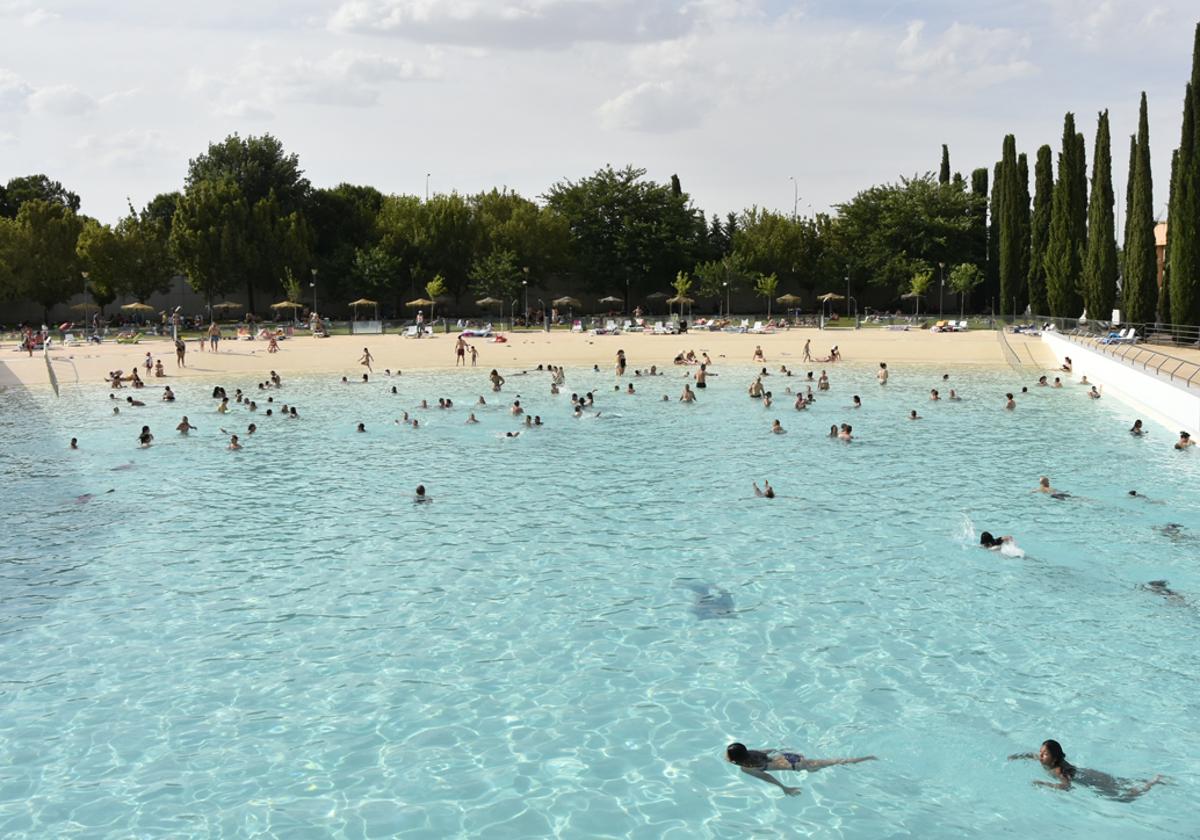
x=12, y=252
x=259, y=175
x=34, y=188
x=892, y=231
x=766, y=287
x=376, y=271
x=436, y=289
x=148, y=263
x=682, y=284
x=918, y=285
x=797, y=250
x=343, y=221
x=539, y=238
x=401, y=225
x=991, y=274
x=103, y=255
x=497, y=275
x=1043, y=175
x=449, y=240
x=726, y=276
x=1099, y=272
x=964, y=278
x=208, y=236
x=48, y=271
x=626, y=230
x=1140, y=279
x=1063, y=249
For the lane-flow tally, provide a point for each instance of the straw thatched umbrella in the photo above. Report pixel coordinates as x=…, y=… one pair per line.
x=287, y=304
x=137, y=307
x=681, y=300
x=365, y=302
x=917, y=298
x=788, y=300
x=612, y=299
x=566, y=301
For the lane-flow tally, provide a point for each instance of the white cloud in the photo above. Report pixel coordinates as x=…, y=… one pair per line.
x=38, y=16
x=14, y=91
x=964, y=55
x=346, y=78
x=553, y=24
x=61, y=100
x=131, y=149
x=656, y=107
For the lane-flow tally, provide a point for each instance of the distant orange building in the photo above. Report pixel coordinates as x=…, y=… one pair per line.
x=1160, y=249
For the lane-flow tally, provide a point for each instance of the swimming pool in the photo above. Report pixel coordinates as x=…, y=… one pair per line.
x=278, y=642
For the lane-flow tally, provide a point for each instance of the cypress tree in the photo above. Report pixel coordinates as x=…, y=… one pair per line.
x=1164, y=291
x=1062, y=259
x=1129, y=181
x=1140, y=284
x=991, y=278
x=979, y=189
x=1100, y=259
x=1079, y=203
x=1026, y=224
x=944, y=173
x=1043, y=176
x=1008, y=201
x=1181, y=224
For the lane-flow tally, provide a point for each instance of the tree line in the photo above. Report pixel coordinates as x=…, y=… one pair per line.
x=248, y=220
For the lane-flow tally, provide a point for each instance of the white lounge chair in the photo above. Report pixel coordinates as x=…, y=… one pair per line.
x=611, y=328
x=757, y=328
x=577, y=326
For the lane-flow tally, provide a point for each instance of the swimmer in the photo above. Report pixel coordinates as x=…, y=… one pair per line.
x=1083, y=380
x=1042, y=382
x=471, y=418
x=537, y=419
x=251, y=429
x=857, y=403
x=361, y=428
x=756, y=388
x=702, y=376
x=767, y=491
x=1054, y=760
x=1011, y=404
x=74, y=443
x=629, y=390
x=823, y=382
x=912, y=415
x=766, y=400
x=394, y=389
x=184, y=426
x=1160, y=587
x=528, y=421
x=234, y=446
x=1057, y=382
x=801, y=403
x=420, y=496
x=292, y=415
x=688, y=394
x=1136, y=429
x=934, y=396
x=512, y=434
x=497, y=381
x=986, y=540
x=132, y=401
x=516, y=409
x=223, y=408
x=756, y=763
x=882, y=375
x=1066, y=365
x=168, y=394
x=954, y=397
x=845, y=433
x=364, y=379
x=1044, y=487
x=620, y=365
x=1094, y=394
x=416, y=424
x=777, y=428
x=116, y=410
x=145, y=438
x=833, y=431
x=1185, y=441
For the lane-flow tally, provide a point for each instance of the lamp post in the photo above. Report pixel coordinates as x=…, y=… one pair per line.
x=525, y=286
x=847, y=294
x=795, y=196
x=941, y=286
x=426, y=187
x=313, y=286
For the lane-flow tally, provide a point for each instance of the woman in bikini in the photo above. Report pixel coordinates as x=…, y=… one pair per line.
x=756, y=763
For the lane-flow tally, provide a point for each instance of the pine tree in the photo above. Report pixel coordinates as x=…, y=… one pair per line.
x=944, y=174
x=1043, y=176
x=1008, y=194
x=1140, y=283
x=1100, y=259
x=1062, y=260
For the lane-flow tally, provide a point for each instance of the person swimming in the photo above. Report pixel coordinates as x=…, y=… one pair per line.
x=756, y=763
x=1054, y=760
x=1160, y=587
x=1044, y=487
x=1185, y=441
x=768, y=492
x=777, y=428
x=912, y=415
x=1011, y=404
x=1136, y=429
x=986, y=540
x=420, y=495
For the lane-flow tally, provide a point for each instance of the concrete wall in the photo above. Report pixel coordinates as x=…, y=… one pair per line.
x=1154, y=397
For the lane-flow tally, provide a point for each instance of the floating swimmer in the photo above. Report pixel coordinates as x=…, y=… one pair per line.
x=1054, y=760
x=712, y=602
x=756, y=763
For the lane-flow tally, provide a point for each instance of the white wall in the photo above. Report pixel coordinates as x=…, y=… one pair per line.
x=1153, y=396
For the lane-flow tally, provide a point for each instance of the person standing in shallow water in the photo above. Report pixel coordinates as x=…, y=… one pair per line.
x=620, y=363
x=756, y=763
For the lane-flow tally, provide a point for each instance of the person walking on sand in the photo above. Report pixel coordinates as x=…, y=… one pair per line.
x=214, y=336
x=807, y=350
x=474, y=355
x=366, y=359
x=180, y=352
x=460, y=351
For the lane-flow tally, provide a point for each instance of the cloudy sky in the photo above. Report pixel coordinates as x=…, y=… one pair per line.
x=736, y=96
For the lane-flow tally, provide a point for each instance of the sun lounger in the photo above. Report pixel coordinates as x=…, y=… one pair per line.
x=577, y=326
x=757, y=328
x=129, y=338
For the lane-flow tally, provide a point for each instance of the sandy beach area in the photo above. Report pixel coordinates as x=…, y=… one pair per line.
x=90, y=364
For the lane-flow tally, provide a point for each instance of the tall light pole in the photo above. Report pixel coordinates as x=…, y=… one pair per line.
x=795, y=196
x=525, y=286
x=725, y=283
x=313, y=286
x=426, y=187
x=847, y=293
x=941, y=286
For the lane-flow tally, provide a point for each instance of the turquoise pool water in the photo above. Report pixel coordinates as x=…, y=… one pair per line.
x=279, y=643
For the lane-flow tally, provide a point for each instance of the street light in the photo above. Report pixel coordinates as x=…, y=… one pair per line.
x=725, y=285
x=795, y=195
x=941, y=286
x=313, y=286
x=525, y=285
x=426, y=187
x=847, y=294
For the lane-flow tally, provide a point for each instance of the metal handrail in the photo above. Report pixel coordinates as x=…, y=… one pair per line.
x=1134, y=355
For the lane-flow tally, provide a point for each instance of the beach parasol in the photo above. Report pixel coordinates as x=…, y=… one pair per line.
x=788, y=300
x=137, y=307
x=828, y=296
x=420, y=302
x=365, y=302
x=657, y=296
x=917, y=297
x=228, y=304
x=487, y=301
x=566, y=301
x=680, y=299
x=612, y=299
x=287, y=304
